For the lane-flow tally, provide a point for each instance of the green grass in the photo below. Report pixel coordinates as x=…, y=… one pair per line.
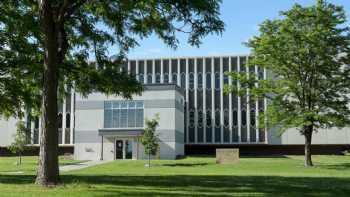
x=193, y=176
x=29, y=164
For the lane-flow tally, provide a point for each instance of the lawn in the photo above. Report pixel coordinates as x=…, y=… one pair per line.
x=193, y=176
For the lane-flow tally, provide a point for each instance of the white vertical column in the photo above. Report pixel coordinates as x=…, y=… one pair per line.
x=178, y=73
x=187, y=105
x=137, y=70
x=221, y=100
x=195, y=101
x=256, y=109
x=32, y=131
x=230, y=119
x=248, y=102
x=145, y=76
x=213, y=99
x=239, y=107
x=129, y=66
x=161, y=71
x=40, y=127
x=170, y=63
x=64, y=119
x=265, y=109
x=124, y=146
x=153, y=71
x=72, y=115
x=204, y=102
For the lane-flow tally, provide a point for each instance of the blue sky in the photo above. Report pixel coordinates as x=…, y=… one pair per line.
x=241, y=18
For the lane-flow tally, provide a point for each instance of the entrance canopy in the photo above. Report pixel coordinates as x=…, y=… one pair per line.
x=132, y=132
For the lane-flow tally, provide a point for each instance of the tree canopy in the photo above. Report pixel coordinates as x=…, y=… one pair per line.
x=48, y=45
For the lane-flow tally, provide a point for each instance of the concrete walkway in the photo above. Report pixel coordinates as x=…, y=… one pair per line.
x=82, y=165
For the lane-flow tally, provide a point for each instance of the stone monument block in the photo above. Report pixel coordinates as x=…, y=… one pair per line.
x=227, y=155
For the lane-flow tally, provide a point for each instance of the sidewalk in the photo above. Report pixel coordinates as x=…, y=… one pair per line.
x=82, y=165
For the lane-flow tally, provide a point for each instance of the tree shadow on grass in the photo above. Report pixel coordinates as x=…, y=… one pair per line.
x=343, y=166
x=185, y=164
x=202, y=185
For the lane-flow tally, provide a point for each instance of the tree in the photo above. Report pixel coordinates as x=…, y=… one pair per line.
x=149, y=138
x=20, y=140
x=64, y=43
x=307, y=53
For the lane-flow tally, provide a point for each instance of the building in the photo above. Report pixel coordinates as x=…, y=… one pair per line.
x=110, y=127
x=196, y=115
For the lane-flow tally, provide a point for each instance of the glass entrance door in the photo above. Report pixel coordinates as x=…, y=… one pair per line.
x=123, y=149
x=119, y=149
x=128, y=149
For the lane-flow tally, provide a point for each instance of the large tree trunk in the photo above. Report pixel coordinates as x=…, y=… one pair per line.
x=308, y=137
x=48, y=172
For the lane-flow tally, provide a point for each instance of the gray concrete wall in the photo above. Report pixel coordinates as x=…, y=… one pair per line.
x=7, y=130
x=323, y=136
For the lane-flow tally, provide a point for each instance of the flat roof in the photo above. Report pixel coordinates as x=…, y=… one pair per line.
x=189, y=57
x=169, y=86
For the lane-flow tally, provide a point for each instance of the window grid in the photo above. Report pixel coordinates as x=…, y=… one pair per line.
x=123, y=114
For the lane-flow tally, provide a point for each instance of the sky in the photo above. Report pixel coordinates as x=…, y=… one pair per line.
x=241, y=18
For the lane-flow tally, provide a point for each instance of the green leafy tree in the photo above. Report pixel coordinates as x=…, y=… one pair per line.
x=307, y=56
x=149, y=138
x=20, y=141
x=64, y=43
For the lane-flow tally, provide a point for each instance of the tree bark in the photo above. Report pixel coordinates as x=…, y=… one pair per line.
x=48, y=171
x=308, y=138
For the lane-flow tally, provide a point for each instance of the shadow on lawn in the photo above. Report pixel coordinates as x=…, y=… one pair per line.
x=343, y=166
x=185, y=164
x=190, y=185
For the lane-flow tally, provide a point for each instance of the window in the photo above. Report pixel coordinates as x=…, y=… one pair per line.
x=191, y=76
x=226, y=118
x=217, y=81
x=208, y=118
x=234, y=117
x=149, y=78
x=200, y=118
x=166, y=78
x=67, y=120
x=191, y=118
x=252, y=117
x=174, y=78
x=244, y=118
x=208, y=81
x=141, y=78
x=217, y=118
x=158, y=78
x=59, y=119
x=200, y=81
x=183, y=80
x=123, y=114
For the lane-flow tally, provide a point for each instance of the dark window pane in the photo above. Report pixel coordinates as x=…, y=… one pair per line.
x=166, y=78
x=208, y=81
x=191, y=81
x=67, y=120
x=200, y=80
x=158, y=78
x=217, y=81
x=244, y=118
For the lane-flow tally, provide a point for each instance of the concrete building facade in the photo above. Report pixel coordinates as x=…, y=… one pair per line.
x=195, y=112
